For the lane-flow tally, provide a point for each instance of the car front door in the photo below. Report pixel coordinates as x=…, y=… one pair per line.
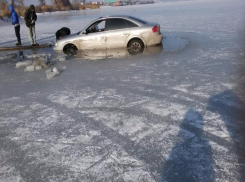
x=94, y=36
x=117, y=33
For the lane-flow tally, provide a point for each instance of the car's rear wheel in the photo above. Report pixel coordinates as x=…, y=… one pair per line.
x=70, y=49
x=135, y=46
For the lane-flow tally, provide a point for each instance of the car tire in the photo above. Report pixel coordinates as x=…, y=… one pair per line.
x=70, y=49
x=135, y=46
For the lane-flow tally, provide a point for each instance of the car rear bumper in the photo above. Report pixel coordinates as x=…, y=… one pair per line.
x=156, y=39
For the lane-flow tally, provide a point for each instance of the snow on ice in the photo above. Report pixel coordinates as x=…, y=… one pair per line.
x=171, y=115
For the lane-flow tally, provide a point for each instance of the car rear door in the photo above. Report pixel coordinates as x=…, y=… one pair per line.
x=117, y=32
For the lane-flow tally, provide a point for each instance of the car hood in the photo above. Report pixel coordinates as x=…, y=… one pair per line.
x=68, y=37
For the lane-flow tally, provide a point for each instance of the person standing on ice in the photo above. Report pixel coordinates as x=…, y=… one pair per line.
x=15, y=22
x=31, y=18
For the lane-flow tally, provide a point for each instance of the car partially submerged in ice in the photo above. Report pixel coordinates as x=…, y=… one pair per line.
x=113, y=32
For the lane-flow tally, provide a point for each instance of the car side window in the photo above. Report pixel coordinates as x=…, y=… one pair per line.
x=101, y=26
x=130, y=24
x=116, y=23
x=98, y=26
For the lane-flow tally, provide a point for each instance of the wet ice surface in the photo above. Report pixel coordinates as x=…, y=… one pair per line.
x=170, y=115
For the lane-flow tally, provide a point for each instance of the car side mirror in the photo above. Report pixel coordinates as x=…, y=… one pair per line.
x=86, y=32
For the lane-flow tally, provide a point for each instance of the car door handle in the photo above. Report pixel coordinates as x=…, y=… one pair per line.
x=125, y=33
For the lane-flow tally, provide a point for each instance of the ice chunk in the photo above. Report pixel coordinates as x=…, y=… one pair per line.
x=56, y=70
x=30, y=68
x=52, y=72
x=10, y=56
x=23, y=64
x=38, y=67
x=1, y=57
x=62, y=59
x=48, y=71
x=33, y=56
x=51, y=75
x=40, y=62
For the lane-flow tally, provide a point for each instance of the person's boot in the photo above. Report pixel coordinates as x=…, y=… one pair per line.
x=18, y=41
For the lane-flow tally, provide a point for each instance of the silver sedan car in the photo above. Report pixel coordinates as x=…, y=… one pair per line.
x=113, y=32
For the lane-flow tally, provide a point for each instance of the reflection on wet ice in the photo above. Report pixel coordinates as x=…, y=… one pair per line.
x=114, y=53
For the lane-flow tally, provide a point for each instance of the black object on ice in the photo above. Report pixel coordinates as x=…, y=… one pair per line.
x=62, y=33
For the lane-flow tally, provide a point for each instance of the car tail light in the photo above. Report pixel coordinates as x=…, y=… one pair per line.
x=155, y=29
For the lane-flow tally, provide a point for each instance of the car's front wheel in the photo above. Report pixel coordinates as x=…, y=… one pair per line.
x=135, y=46
x=70, y=49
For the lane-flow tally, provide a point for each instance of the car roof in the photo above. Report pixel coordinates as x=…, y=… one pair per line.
x=134, y=19
x=116, y=16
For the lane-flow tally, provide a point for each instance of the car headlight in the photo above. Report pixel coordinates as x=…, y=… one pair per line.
x=56, y=44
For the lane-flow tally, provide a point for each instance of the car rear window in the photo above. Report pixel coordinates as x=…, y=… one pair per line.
x=137, y=19
x=130, y=24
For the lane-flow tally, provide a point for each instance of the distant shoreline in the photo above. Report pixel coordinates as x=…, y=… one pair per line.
x=48, y=9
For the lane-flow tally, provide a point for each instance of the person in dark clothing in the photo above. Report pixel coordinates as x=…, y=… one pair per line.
x=30, y=19
x=62, y=33
x=15, y=22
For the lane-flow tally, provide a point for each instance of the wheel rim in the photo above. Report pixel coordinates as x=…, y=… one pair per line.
x=71, y=49
x=135, y=46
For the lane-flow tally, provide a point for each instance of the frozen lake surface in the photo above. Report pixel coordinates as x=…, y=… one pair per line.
x=172, y=114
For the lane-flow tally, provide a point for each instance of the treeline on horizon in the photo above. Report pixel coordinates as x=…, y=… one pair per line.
x=57, y=5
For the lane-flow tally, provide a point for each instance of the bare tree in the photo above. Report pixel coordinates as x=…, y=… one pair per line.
x=17, y=2
x=42, y=2
x=13, y=2
x=66, y=2
x=20, y=2
x=54, y=2
x=57, y=2
x=3, y=4
x=62, y=2
x=75, y=1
